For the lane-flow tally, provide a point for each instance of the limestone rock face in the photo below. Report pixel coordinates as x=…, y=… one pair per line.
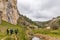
x=9, y=11
x=0, y=17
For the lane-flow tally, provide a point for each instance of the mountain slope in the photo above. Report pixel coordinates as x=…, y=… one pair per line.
x=55, y=23
x=23, y=20
x=10, y=13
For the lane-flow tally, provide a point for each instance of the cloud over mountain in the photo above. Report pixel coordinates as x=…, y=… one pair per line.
x=39, y=10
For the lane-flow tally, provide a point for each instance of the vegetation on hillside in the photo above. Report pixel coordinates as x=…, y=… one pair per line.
x=25, y=21
x=5, y=25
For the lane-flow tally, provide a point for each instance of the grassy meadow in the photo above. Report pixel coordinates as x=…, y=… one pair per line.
x=53, y=33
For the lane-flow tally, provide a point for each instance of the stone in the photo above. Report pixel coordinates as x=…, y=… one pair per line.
x=35, y=38
x=9, y=11
x=0, y=17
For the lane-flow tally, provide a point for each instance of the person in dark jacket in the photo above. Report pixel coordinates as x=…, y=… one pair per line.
x=11, y=31
x=7, y=31
x=16, y=31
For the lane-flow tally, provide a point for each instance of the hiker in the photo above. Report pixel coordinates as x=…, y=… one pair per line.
x=7, y=31
x=16, y=31
x=11, y=31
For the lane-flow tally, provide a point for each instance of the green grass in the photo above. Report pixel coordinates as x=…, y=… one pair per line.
x=5, y=25
x=22, y=29
x=53, y=33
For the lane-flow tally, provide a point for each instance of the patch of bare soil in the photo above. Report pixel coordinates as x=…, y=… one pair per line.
x=46, y=37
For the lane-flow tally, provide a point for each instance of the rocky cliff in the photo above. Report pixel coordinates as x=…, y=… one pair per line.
x=8, y=11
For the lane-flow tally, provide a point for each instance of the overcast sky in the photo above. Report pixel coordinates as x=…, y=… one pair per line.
x=39, y=10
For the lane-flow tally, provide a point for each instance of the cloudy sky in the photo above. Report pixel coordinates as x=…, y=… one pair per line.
x=39, y=10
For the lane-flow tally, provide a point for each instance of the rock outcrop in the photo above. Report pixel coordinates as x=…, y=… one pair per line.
x=54, y=23
x=8, y=10
x=46, y=37
x=0, y=17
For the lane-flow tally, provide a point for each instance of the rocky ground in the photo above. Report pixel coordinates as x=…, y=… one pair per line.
x=46, y=37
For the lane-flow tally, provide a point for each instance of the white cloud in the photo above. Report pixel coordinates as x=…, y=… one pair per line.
x=39, y=10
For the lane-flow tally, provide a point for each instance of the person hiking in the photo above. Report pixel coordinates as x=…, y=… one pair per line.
x=16, y=31
x=11, y=31
x=7, y=31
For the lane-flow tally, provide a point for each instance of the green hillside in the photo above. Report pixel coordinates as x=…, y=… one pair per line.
x=4, y=26
x=25, y=21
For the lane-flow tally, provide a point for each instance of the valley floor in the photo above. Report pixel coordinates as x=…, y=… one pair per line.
x=27, y=34
x=46, y=37
x=47, y=34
